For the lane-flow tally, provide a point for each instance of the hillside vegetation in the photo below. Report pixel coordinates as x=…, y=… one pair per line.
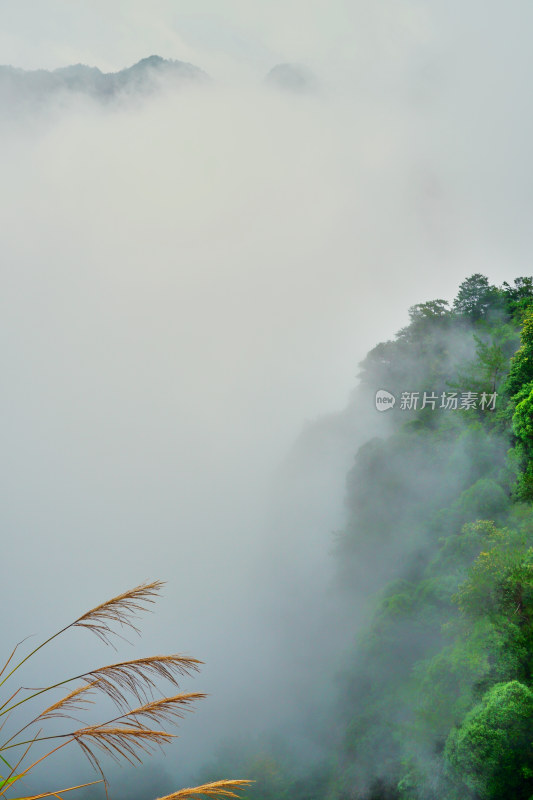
x=435, y=695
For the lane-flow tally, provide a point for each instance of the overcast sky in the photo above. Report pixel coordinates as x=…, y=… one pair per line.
x=116, y=33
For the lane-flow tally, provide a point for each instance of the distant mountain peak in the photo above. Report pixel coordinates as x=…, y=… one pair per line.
x=293, y=78
x=151, y=60
x=22, y=87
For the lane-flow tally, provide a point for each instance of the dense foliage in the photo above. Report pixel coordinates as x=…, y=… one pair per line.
x=436, y=697
x=438, y=692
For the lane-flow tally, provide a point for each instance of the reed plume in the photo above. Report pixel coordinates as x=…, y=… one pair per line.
x=137, y=676
x=215, y=789
x=130, y=735
x=119, y=742
x=77, y=699
x=120, y=609
x=165, y=709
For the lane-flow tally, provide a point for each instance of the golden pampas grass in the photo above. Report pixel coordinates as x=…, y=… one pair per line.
x=130, y=736
x=215, y=789
x=120, y=609
x=137, y=676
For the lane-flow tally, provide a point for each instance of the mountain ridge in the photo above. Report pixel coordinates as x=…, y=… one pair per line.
x=17, y=85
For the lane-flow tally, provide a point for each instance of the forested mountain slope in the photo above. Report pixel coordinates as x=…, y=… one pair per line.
x=435, y=695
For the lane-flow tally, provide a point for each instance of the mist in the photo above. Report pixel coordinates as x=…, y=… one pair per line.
x=189, y=280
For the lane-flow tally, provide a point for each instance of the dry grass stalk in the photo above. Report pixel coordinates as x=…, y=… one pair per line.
x=59, y=791
x=119, y=742
x=75, y=700
x=120, y=609
x=215, y=789
x=9, y=659
x=128, y=736
x=137, y=676
x=165, y=709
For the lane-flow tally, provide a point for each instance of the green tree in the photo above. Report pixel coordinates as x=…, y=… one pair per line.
x=491, y=751
x=523, y=430
x=520, y=296
x=521, y=368
x=492, y=360
x=500, y=580
x=474, y=297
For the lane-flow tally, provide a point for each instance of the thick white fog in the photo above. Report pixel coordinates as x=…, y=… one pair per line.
x=189, y=279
